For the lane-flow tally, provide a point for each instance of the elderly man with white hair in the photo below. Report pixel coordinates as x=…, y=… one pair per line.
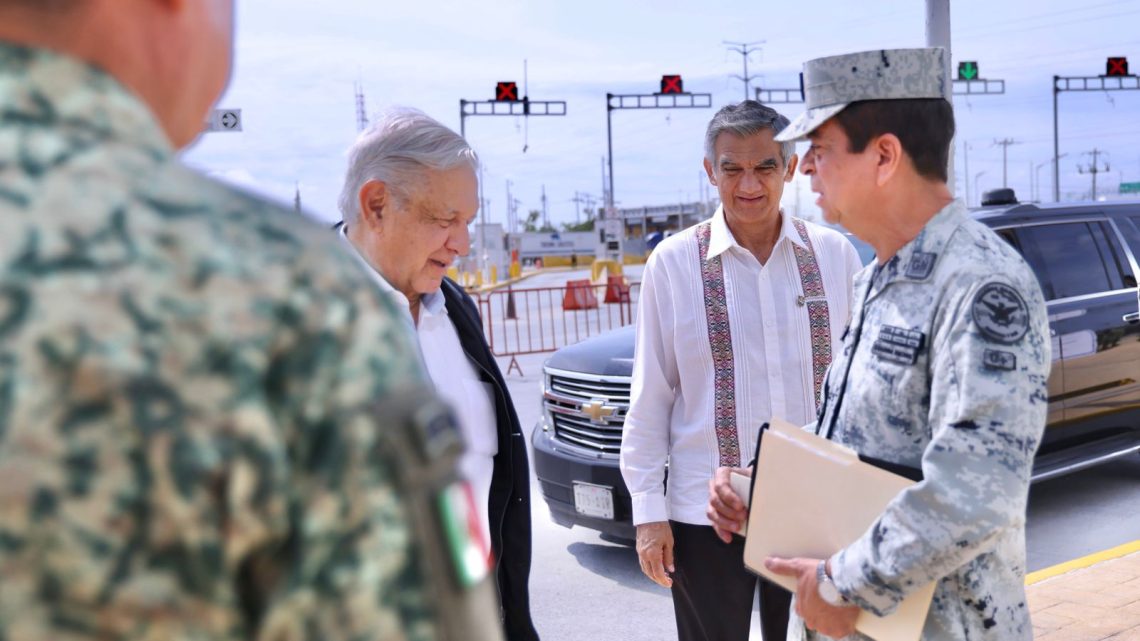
x=409, y=195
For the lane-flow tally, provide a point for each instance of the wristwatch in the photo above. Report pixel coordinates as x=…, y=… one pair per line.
x=826, y=587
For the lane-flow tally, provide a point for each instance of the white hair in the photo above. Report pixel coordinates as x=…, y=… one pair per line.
x=745, y=119
x=396, y=150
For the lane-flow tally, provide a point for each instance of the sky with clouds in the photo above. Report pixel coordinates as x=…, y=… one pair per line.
x=297, y=62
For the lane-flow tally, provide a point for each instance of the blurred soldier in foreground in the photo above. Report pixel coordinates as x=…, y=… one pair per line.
x=943, y=368
x=191, y=445
x=409, y=194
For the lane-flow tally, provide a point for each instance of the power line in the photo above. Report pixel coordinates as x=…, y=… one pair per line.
x=1066, y=23
x=1023, y=18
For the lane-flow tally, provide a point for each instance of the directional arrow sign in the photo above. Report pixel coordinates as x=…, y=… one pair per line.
x=224, y=120
x=968, y=70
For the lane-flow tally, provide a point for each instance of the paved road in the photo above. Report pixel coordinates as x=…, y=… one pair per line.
x=584, y=587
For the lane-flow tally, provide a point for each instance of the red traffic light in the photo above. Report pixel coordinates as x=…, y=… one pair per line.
x=507, y=92
x=1117, y=66
x=671, y=84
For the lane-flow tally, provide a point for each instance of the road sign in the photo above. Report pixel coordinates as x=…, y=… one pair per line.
x=671, y=84
x=224, y=120
x=1116, y=66
x=967, y=70
x=1130, y=188
x=507, y=92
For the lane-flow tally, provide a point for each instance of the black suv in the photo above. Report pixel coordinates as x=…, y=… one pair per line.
x=1084, y=255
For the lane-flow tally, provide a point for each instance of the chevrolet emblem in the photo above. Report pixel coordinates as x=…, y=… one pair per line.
x=598, y=411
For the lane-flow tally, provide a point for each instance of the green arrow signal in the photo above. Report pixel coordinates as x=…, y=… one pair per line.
x=967, y=70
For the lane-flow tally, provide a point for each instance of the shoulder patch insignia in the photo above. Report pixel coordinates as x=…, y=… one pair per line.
x=920, y=265
x=1000, y=313
x=999, y=360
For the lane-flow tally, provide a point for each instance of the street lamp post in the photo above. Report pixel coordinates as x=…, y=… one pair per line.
x=976, y=177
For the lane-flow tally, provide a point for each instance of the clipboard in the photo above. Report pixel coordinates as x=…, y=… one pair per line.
x=811, y=497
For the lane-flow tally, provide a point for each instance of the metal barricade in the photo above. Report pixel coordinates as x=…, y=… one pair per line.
x=544, y=319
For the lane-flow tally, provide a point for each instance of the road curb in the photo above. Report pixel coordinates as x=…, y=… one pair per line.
x=511, y=281
x=1083, y=562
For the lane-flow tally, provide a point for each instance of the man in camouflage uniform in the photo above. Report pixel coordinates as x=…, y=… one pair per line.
x=189, y=447
x=943, y=368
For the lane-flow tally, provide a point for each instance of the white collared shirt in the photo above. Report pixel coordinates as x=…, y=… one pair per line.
x=457, y=380
x=671, y=415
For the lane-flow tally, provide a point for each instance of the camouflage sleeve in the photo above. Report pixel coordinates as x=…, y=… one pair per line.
x=989, y=365
x=205, y=463
x=351, y=565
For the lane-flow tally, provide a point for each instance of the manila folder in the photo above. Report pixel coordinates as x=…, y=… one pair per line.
x=811, y=498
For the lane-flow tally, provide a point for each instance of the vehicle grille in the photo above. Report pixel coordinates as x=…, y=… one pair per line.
x=568, y=399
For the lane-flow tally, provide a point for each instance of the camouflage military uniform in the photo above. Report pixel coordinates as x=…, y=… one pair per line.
x=187, y=446
x=944, y=368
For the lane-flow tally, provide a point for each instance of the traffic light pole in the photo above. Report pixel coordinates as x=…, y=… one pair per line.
x=1082, y=83
x=645, y=101
x=609, y=159
x=1056, y=146
x=524, y=107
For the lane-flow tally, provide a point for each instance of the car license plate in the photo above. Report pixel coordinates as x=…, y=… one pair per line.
x=594, y=500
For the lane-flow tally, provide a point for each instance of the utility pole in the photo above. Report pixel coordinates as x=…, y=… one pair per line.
x=1004, y=143
x=361, y=113
x=966, y=169
x=744, y=48
x=545, y=217
x=582, y=198
x=297, y=197
x=1093, y=168
x=482, y=256
x=510, y=209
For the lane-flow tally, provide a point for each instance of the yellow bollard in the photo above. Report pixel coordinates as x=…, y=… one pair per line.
x=515, y=269
x=479, y=278
x=453, y=273
x=494, y=274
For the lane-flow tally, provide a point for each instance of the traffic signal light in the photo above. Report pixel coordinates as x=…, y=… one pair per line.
x=968, y=70
x=507, y=92
x=671, y=84
x=1116, y=66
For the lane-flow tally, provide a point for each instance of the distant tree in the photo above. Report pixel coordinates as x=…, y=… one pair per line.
x=532, y=224
x=587, y=225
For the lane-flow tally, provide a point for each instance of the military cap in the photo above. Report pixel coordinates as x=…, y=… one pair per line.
x=832, y=83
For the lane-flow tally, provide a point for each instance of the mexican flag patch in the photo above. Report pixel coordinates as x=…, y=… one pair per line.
x=470, y=555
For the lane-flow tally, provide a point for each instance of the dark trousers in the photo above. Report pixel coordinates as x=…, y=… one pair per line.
x=712, y=591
